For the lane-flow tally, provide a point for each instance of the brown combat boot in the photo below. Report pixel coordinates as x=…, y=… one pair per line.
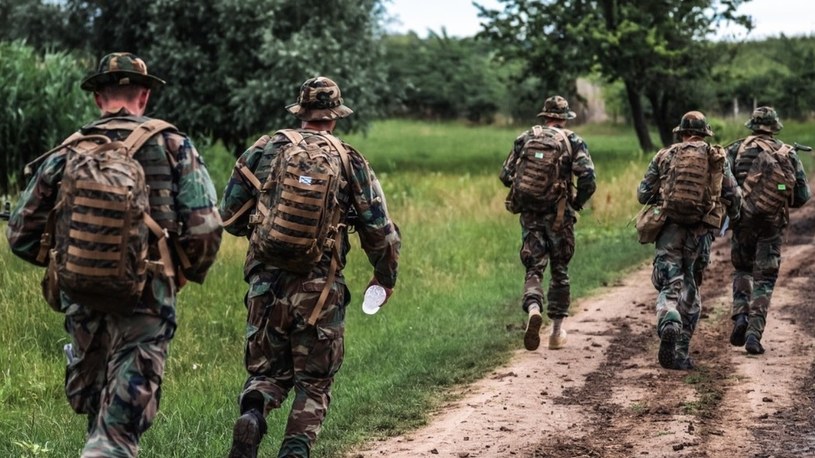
x=532, y=338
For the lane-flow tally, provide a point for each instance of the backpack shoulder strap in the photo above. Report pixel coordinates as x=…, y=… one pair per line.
x=337, y=144
x=144, y=132
x=561, y=133
x=293, y=136
x=537, y=130
x=744, y=144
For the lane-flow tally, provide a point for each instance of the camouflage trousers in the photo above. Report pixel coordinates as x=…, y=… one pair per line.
x=755, y=251
x=543, y=244
x=283, y=352
x=682, y=254
x=116, y=374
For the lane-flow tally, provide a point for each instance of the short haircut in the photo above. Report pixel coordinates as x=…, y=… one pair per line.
x=127, y=92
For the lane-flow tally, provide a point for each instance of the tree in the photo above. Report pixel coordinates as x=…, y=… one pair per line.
x=231, y=65
x=657, y=48
x=442, y=78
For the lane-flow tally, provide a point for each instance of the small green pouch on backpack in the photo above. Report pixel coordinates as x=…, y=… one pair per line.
x=649, y=223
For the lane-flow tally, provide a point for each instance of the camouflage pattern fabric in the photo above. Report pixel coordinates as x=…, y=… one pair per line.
x=682, y=254
x=117, y=375
x=755, y=247
x=282, y=351
x=541, y=243
x=683, y=250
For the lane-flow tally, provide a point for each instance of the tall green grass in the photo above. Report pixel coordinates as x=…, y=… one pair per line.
x=455, y=313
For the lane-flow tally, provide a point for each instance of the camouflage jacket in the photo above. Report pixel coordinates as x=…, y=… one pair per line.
x=182, y=197
x=741, y=165
x=363, y=200
x=580, y=165
x=649, y=188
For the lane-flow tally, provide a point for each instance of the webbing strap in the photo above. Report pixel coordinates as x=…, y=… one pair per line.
x=288, y=238
x=561, y=209
x=91, y=271
x=93, y=254
x=244, y=208
x=300, y=185
x=97, y=238
x=163, y=246
x=101, y=187
x=310, y=230
x=565, y=138
x=296, y=211
x=250, y=177
x=293, y=136
x=97, y=220
x=292, y=197
x=143, y=132
x=101, y=204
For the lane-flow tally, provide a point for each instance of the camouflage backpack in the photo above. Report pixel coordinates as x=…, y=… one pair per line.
x=298, y=213
x=98, y=231
x=538, y=181
x=690, y=191
x=769, y=183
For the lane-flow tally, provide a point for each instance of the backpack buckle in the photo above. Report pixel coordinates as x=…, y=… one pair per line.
x=255, y=219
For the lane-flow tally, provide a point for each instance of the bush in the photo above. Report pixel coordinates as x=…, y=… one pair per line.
x=42, y=105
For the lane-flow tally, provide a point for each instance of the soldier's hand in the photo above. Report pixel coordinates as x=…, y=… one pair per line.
x=388, y=291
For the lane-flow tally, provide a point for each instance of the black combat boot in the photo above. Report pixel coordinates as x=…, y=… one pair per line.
x=753, y=345
x=249, y=430
x=737, y=337
x=667, y=344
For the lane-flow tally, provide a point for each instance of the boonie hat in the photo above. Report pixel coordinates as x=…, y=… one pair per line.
x=121, y=69
x=694, y=122
x=764, y=119
x=319, y=100
x=557, y=107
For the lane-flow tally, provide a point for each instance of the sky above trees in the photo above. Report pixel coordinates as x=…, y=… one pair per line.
x=460, y=18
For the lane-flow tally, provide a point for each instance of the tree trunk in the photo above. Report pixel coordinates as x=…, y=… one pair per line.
x=638, y=116
x=659, y=105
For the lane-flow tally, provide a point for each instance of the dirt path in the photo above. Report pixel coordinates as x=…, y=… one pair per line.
x=605, y=395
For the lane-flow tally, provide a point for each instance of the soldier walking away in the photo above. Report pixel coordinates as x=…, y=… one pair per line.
x=772, y=180
x=306, y=189
x=539, y=172
x=693, y=186
x=122, y=213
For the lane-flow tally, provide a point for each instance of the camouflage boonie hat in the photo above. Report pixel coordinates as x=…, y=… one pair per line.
x=557, y=107
x=319, y=100
x=694, y=122
x=120, y=68
x=764, y=119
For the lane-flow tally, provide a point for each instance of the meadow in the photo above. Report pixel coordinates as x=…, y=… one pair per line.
x=455, y=314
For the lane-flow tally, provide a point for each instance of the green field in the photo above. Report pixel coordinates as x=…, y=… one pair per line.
x=453, y=317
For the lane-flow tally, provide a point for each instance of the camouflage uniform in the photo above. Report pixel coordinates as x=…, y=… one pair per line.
x=116, y=373
x=755, y=247
x=542, y=240
x=283, y=351
x=683, y=250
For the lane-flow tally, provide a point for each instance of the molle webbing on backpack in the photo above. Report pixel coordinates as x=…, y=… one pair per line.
x=768, y=182
x=540, y=183
x=102, y=221
x=686, y=195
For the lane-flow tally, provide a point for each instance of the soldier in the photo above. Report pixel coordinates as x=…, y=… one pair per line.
x=756, y=240
x=548, y=209
x=117, y=360
x=294, y=339
x=690, y=182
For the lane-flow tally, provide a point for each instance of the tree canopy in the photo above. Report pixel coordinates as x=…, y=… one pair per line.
x=658, y=49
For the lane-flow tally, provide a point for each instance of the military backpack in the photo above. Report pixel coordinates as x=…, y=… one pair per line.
x=539, y=182
x=690, y=191
x=770, y=181
x=97, y=236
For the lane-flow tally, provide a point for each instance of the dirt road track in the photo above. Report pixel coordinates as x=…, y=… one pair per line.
x=605, y=395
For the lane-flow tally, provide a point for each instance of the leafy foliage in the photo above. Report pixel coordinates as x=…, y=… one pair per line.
x=443, y=78
x=658, y=49
x=42, y=105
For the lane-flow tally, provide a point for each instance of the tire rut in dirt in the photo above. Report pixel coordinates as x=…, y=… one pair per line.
x=791, y=432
